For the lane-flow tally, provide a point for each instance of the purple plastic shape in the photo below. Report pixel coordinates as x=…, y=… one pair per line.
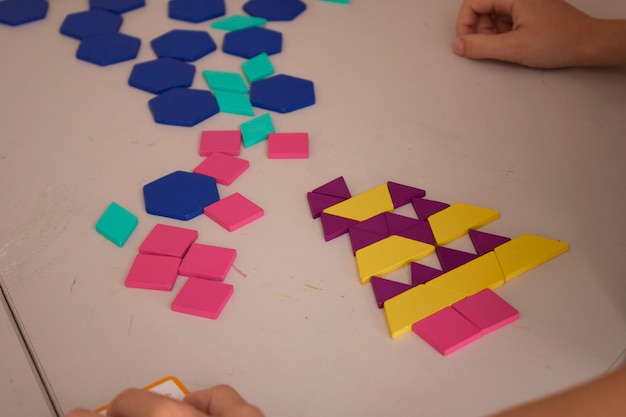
x=421, y=274
x=421, y=232
x=453, y=258
x=361, y=238
x=385, y=289
x=486, y=242
x=397, y=223
x=319, y=202
x=425, y=208
x=376, y=224
x=336, y=187
x=402, y=194
x=335, y=226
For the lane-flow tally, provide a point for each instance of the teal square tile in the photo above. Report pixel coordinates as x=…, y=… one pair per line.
x=116, y=224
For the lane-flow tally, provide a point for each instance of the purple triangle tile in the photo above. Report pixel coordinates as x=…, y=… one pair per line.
x=421, y=232
x=486, y=242
x=335, y=226
x=318, y=202
x=420, y=274
x=362, y=238
x=336, y=188
x=385, y=289
x=425, y=208
x=453, y=258
x=397, y=223
x=402, y=194
x=376, y=224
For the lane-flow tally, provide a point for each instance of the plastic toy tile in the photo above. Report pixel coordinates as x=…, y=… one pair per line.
x=116, y=224
x=385, y=289
x=365, y=205
x=225, y=81
x=257, y=68
x=94, y=22
x=318, y=202
x=526, y=252
x=486, y=242
x=250, y=42
x=153, y=272
x=233, y=212
x=282, y=93
x=420, y=231
x=117, y=6
x=234, y=103
x=425, y=208
x=207, y=262
x=196, y=11
x=183, y=106
x=472, y=277
x=487, y=310
x=377, y=224
x=18, y=12
x=338, y=1
x=237, y=22
x=161, y=74
x=288, y=145
x=452, y=258
x=180, y=195
x=447, y=330
x=203, y=298
x=108, y=48
x=389, y=254
x=421, y=274
x=256, y=130
x=336, y=187
x=223, y=141
x=335, y=226
x=455, y=221
x=168, y=241
x=275, y=10
x=224, y=168
x=361, y=238
x=185, y=45
x=403, y=194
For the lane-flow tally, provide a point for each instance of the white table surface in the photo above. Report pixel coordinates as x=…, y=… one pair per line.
x=301, y=337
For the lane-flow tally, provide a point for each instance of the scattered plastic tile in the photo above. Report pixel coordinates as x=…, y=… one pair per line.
x=385, y=289
x=447, y=330
x=234, y=103
x=455, y=221
x=288, y=145
x=250, y=42
x=525, y=252
x=153, y=272
x=94, y=22
x=471, y=277
x=207, y=262
x=487, y=310
x=224, y=168
x=223, y=141
x=282, y=93
x=168, y=241
x=180, y=195
x=237, y=22
x=117, y=6
x=403, y=194
x=486, y=242
x=365, y=205
x=225, y=81
x=203, y=298
x=185, y=45
x=183, y=106
x=275, y=10
x=421, y=274
x=336, y=187
x=318, y=202
x=452, y=258
x=196, y=11
x=108, y=48
x=335, y=226
x=257, y=68
x=256, y=130
x=19, y=12
x=159, y=75
x=116, y=224
x=233, y=212
x=425, y=208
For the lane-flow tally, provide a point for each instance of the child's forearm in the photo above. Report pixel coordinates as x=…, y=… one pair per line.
x=606, y=46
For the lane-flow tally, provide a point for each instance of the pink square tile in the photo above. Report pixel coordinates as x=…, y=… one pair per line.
x=224, y=168
x=203, y=298
x=447, y=330
x=208, y=262
x=153, y=272
x=168, y=240
x=224, y=141
x=487, y=310
x=288, y=145
x=233, y=212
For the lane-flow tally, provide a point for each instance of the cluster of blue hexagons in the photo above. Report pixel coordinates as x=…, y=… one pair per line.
x=18, y=12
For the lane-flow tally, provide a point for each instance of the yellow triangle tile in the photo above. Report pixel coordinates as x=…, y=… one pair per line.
x=455, y=221
x=472, y=277
x=389, y=254
x=525, y=252
x=365, y=205
x=414, y=305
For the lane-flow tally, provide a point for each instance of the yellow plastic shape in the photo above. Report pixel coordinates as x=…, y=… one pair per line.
x=389, y=254
x=455, y=221
x=414, y=305
x=525, y=252
x=365, y=205
x=472, y=277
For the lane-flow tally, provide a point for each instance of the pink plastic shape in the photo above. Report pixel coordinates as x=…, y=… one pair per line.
x=224, y=168
x=425, y=208
x=233, y=212
x=336, y=187
x=288, y=145
x=385, y=289
x=362, y=238
x=402, y=194
x=223, y=141
x=421, y=232
x=421, y=274
x=207, y=262
x=452, y=258
x=487, y=310
x=318, y=202
x=203, y=298
x=153, y=272
x=447, y=330
x=486, y=242
x=168, y=240
x=335, y=226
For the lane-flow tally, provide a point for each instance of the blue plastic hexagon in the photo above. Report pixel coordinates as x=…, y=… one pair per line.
x=282, y=93
x=196, y=11
x=109, y=48
x=250, y=42
x=186, y=45
x=94, y=22
x=275, y=10
x=117, y=6
x=161, y=74
x=183, y=106
x=180, y=195
x=18, y=12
